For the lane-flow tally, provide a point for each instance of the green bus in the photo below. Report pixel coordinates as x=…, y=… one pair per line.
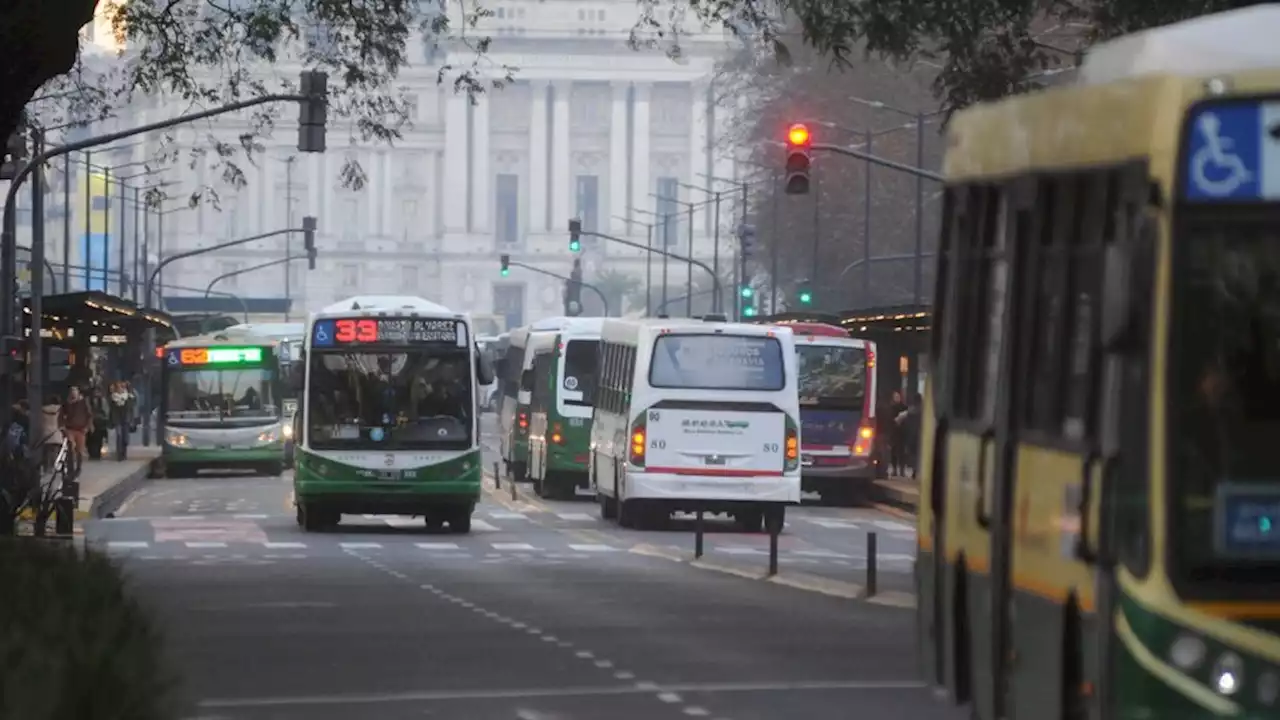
x=515, y=386
x=388, y=417
x=564, y=374
x=220, y=404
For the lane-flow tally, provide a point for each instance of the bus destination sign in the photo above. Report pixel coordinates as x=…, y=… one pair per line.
x=213, y=356
x=387, y=331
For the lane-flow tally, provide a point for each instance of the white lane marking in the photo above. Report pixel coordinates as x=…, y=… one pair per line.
x=832, y=524
x=738, y=551
x=482, y=526
x=507, y=515
x=438, y=546
x=249, y=517
x=403, y=522
x=822, y=554
x=284, y=545
x=593, y=548
x=121, y=545
x=669, y=697
x=577, y=516
x=205, y=545
x=893, y=526
x=511, y=546
x=695, y=711
x=359, y=545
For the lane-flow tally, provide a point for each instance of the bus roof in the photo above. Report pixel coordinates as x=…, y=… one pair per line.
x=812, y=328
x=1227, y=42
x=633, y=329
x=272, y=330
x=378, y=304
x=226, y=337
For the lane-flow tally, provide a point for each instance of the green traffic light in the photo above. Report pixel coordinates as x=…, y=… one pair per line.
x=806, y=298
x=747, y=292
x=574, y=246
x=749, y=312
x=506, y=272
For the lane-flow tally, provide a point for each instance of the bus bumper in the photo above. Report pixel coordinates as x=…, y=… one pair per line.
x=450, y=484
x=222, y=459
x=847, y=483
x=708, y=491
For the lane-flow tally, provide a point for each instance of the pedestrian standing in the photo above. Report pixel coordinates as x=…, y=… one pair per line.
x=121, y=417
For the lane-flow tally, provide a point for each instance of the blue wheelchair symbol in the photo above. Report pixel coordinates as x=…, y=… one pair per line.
x=1225, y=153
x=323, y=333
x=173, y=358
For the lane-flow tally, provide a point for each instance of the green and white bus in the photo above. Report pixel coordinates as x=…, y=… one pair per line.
x=388, y=419
x=560, y=410
x=517, y=379
x=290, y=338
x=220, y=404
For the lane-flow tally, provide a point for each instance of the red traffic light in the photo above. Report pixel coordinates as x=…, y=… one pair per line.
x=798, y=134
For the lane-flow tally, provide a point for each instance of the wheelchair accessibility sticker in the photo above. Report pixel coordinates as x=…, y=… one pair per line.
x=1233, y=153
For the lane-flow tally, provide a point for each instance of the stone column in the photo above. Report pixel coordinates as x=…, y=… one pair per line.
x=699, y=135
x=618, y=162
x=640, y=183
x=539, y=151
x=389, y=194
x=481, y=193
x=455, y=164
x=561, y=183
x=375, y=191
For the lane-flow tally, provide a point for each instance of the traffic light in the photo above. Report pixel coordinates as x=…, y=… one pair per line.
x=313, y=111
x=13, y=356
x=575, y=235
x=749, y=311
x=573, y=290
x=309, y=240
x=804, y=293
x=747, y=238
x=747, y=292
x=798, y=159
x=506, y=265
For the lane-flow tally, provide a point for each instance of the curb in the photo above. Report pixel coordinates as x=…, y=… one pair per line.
x=794, y=580
x=895, y=498
x=113, y=497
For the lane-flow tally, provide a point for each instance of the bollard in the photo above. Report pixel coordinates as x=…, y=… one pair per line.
x=773, y=550
x=871, y=563
x=513, y=489
x=497, y=479
x=697, y=536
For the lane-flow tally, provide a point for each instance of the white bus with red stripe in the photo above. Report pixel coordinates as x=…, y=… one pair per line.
x=836, y=376
x=691, y=415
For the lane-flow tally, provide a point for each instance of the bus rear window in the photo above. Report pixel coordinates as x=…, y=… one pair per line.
x=580, y=366
x=717, y=362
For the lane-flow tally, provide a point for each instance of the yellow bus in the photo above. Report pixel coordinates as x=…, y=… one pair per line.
x=1099, y=530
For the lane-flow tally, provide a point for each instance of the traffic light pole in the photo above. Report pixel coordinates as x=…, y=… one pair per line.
x=714, y=278
x=909, y=169
x=603, y=300
x=282, y=261
x=9, y=221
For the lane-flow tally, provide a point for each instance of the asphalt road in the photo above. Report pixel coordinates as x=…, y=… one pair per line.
x=538, y=614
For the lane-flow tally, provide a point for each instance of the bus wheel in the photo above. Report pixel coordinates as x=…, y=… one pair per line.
x=316, y=519
x=608, y=507
x=434, y=524
x=460, y=522
x=273, y=469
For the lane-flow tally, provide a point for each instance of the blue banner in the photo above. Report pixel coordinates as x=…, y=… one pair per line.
x=95, y=257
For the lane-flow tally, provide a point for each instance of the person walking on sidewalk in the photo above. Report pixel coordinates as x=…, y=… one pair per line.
x=101, y=421
x=121, y=417
x=76, y=420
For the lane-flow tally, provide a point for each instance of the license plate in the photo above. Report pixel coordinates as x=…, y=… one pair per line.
x=715, y=460
x=387, y=475
x=224, y=447
x=806, y=460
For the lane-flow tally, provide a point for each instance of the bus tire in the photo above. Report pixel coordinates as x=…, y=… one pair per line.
x=317, y=519
x=608, y=506
x=460, y=522
x=273, y=469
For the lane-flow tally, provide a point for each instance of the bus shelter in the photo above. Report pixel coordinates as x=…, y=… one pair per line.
x=91, y=337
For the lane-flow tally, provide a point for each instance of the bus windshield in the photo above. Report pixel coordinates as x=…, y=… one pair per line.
x=1226, y=391
x=391, y=400
x=832, y=375
x=718, y=362
x=580, y=368
x=200, y=397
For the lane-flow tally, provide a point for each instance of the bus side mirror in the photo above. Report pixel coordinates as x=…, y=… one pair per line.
x=297, y=379
x=1128, y=269
x=485, y=374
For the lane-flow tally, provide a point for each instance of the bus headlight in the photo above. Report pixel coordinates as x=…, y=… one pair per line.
x=176, y=439
x=287, y=431
x=1228, y=673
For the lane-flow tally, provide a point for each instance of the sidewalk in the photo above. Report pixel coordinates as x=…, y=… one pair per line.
x=106, y=483
x=899, y=492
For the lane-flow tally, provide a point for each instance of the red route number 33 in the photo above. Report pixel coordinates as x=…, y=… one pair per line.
x=365, y=331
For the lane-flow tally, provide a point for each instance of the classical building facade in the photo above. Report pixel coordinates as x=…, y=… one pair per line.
x=589, y=128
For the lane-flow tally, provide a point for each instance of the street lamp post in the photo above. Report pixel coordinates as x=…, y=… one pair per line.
x=688, y=309
x=715, y=242
x=663, y=219
x=648, y=263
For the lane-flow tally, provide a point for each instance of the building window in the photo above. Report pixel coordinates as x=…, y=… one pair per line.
x=507, y=206
x=350, y=275
x=409, y=278
x=411, y=107
x=668, y=210
x=589, y=202
x=350, y=218
x=408, y=216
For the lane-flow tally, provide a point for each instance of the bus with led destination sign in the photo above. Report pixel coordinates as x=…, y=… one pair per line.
x=220, y=404
x=388, y=417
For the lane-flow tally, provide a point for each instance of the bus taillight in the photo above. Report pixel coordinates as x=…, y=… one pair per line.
x=791, y=447
x=524, y=421
x=637, y=443
x=862, y=445
x=556, y=437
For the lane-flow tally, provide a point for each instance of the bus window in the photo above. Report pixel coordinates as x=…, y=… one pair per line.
x=717, y=362
x=221, y=394
x=580, y=363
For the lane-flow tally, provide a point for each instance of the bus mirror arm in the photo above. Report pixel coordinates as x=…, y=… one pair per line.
x=1127, y=270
